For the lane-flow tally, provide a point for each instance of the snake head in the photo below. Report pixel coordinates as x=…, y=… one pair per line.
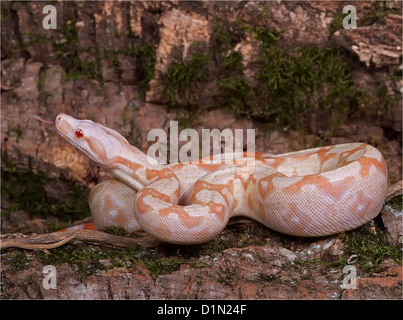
x=96, y=141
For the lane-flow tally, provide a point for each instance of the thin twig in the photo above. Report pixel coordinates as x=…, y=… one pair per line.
x=394, y=190
x=56, y=239
x=16, y=243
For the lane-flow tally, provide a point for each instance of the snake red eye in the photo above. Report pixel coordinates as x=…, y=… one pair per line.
x=79, y=133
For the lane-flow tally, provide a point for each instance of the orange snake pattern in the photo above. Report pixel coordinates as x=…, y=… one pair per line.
x=314, y=192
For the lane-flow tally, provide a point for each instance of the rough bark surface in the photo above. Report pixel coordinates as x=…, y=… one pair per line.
x=42, y=73
x=255, y=272
x=107, y=61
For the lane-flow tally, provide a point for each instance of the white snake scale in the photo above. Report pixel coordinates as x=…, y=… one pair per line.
x=312, y=192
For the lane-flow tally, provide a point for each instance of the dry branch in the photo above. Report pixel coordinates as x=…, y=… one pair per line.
x=56, y=239
x=394, y=190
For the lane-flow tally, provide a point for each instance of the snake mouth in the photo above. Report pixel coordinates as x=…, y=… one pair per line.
x=75, y=133
x=65, y=127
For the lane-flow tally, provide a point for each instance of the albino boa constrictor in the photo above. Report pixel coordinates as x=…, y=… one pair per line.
x=312, y=192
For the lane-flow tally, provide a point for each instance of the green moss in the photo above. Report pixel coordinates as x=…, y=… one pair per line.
x=224, y=36
x=91, y=259
x=375, y=12
x=307, y=79
x=17, y=259
x=26, y=191
x=162, y=266
x=43, y=77
x=35, y=38
x=368, y=15
x=14, y=131
x=87, y=258
x=144, y=63
x=115, y=230
x=386, y=100
x=235, y=92
x=371, y=248
x=289, y=85
x=5, y=10
x=396, y=203
x=182, y=87
x=181, y=82
x=128, y=118
x=67, y=48
x=336, y=24
x=218, y=244
x=292, y=84
x=236, y=236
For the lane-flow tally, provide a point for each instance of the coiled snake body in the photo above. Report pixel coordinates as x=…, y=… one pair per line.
x=312, y=192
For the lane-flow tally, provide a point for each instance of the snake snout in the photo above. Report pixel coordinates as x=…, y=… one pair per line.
x=61, y=117
x=65, y=126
